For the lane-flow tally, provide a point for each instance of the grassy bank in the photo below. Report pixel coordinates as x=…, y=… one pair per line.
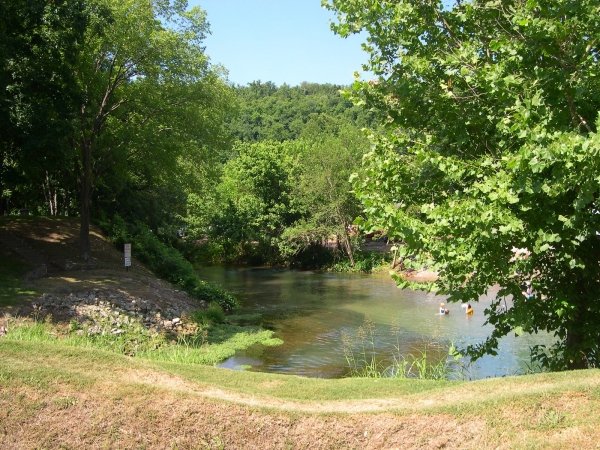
x=209, y=344
x=101, y=305
x=53, y=394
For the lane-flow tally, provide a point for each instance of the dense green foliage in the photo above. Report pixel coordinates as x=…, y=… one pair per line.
x=284, y=196
x=167, y=262
x=271, y=113
x=334, y=151
x=489, y=168
x=112, y=109
x=283, y=202
x=38, y=102
x=284, y=192
x=253, y=203
x=109, y=107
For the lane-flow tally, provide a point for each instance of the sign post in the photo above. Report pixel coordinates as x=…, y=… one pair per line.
x=127, y=256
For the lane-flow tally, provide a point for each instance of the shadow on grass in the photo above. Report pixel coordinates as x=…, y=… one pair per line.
x=12, y=271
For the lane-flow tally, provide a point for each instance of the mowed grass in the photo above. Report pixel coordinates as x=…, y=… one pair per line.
x=43, y=381
x=196, y=364
x=42, y=361
x=38, y=378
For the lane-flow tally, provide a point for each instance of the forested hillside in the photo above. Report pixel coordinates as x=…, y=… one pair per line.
x=269, y=112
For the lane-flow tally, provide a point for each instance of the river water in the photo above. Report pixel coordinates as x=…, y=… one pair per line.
x=312, y=312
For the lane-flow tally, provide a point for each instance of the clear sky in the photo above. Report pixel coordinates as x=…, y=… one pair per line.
x=284, y=41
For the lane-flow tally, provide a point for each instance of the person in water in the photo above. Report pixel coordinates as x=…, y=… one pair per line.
x=528, y=291
x=470, y=310
x=443, y=310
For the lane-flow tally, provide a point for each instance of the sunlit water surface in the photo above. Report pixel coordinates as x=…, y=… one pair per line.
x=311, y=312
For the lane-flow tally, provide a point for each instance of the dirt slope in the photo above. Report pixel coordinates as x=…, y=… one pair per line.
x=50, y=248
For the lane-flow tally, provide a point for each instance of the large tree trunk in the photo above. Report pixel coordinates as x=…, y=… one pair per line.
x=578, y=345
x=86, y=189
x=576, y=352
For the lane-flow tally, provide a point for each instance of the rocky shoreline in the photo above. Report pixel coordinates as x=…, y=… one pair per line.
x=96, y=298
x=103, y=311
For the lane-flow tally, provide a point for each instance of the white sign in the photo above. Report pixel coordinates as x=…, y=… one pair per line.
x=127, y=251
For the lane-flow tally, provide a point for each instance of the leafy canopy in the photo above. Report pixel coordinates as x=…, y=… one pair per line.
x=491, y=146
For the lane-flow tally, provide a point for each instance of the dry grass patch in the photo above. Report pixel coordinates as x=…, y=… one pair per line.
x=169, y=419
x=127, y=403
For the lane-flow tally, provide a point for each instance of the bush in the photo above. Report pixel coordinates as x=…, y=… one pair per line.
x=363, y=262
x=214, y=314
x=167, y=262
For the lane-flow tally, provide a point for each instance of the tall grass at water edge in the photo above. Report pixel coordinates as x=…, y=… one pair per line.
x=433, y=362
x=211, y=344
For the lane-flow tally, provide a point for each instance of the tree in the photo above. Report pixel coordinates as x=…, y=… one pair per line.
x=133, y=51
x=254, y=200
x=332, y=152
x=489, y=168
x=39, y=42
x=169, y=147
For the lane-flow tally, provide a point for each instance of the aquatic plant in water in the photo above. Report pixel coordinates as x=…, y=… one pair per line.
x=434, y=361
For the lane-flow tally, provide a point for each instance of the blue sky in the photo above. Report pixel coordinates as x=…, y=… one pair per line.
x=284, y=41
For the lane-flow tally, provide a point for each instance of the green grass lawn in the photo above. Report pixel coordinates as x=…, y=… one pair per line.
x=75, y=389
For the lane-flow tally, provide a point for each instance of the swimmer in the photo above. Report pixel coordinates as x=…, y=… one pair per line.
x=443, y=311
x=470, y=310
x=528, y=291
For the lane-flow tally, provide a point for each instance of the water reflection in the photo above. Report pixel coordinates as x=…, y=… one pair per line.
x=311, y=311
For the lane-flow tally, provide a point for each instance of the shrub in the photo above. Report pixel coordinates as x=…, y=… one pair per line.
x=167, y=262
x=214, y=314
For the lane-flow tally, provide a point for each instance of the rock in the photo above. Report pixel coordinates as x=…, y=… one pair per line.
x=93, y=330
x=111, y=311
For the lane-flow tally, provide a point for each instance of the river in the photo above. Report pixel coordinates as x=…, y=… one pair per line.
x=311, y=312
